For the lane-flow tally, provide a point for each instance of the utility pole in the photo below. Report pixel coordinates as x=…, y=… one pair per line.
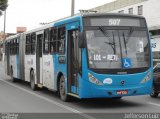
x=4, y=35
x=72, y=8
x=4, y=22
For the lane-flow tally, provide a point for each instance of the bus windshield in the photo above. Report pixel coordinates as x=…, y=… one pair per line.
x=108, y=48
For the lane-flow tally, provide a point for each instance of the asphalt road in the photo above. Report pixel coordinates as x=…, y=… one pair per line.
x=19, y=98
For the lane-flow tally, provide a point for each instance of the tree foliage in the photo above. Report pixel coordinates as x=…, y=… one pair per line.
x=3, y=6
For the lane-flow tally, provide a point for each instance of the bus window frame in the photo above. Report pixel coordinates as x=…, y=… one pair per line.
x=46, y=42
x=27, y=45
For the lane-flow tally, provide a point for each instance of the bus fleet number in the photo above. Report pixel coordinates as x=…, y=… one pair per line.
x=114, y=22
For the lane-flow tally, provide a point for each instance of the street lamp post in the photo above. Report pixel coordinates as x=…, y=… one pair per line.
x=72, y=8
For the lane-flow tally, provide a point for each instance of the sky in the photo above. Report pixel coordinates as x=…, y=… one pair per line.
x=30, y=13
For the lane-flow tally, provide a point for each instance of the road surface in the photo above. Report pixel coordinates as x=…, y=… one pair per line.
x=19, y=98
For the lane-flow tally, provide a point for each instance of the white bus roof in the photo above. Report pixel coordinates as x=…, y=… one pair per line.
x=40, y=28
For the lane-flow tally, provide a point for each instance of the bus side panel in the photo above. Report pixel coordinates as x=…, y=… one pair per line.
x=30, y=63
x=48, y=71
x=21, y=56
x=6, y=65
x=59, y=68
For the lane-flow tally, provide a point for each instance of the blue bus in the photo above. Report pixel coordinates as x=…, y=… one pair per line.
x=96, y=55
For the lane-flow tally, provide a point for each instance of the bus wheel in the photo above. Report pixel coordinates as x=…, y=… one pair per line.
x=117, y=98
x=11, y=74
x=32, y=81
x=62, y=91
x=154, y=94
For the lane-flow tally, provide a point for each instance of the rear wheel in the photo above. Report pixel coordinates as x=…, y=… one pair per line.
x=62, y=90
x=154, y=93
x=32, y=81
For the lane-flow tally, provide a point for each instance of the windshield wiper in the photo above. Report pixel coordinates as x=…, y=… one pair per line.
x=105, y=34
x=109, y=43
x=124, y=39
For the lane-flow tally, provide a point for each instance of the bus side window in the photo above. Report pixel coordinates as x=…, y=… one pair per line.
x=28, y=46
x=17, y=46
x=32, y=43
x=61, y=40
x=10, y=47
x=15, y=40
x=46, y=42
x=53, y=39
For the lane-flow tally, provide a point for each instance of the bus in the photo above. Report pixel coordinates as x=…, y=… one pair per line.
x=93, y=55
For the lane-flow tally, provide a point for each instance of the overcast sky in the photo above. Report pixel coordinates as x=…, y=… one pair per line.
x=29, y=13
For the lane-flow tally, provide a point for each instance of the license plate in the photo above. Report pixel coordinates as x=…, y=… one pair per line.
x=122, y=92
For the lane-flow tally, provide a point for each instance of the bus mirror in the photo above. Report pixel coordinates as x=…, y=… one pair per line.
x=81, y=40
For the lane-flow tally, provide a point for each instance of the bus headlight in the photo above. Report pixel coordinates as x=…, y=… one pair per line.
x=147, y=78
x=92, y=79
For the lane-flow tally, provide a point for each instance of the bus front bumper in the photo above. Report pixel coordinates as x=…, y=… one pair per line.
x=89, y=90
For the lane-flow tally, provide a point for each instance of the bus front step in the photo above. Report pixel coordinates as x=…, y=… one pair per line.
x=74, y=95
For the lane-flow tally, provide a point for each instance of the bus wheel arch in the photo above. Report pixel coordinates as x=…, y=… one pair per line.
x=61, y=88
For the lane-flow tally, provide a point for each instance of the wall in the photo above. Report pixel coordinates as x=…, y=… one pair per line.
x=150, y=12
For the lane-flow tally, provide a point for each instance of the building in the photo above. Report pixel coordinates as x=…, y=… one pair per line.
x=3, y=36
x=21, y=29
x=147, y=8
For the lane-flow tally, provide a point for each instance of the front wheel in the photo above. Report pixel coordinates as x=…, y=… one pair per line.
x=62, y=91
x=154, y=93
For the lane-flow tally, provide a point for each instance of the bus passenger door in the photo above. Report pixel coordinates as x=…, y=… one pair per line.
x=73, y=58
x=39, y=57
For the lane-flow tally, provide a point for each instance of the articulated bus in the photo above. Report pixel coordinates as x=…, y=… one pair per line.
x=85, y=56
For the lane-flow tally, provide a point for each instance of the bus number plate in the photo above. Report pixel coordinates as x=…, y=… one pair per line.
x=122, y=92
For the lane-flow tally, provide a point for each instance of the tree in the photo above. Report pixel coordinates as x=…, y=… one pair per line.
x=3, y=6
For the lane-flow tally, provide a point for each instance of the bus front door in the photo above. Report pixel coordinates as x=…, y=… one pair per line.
x=39, y=58
x=73, y=60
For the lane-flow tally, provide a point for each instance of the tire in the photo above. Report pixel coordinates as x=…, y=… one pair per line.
x=154, y=94
x=117, y=98
x=62, y=91
x=32, y=81
x=11, y=74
